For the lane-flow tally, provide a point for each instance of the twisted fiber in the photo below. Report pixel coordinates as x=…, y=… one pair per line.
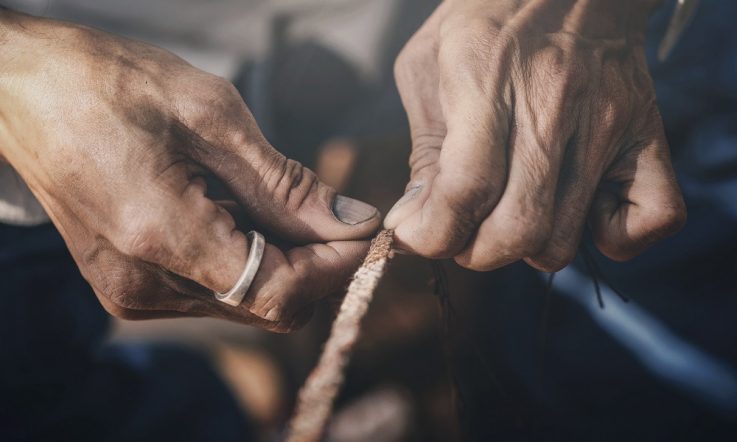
x=316, y=398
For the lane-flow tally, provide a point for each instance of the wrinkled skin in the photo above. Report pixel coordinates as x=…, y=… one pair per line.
x=528, y=120
x=115, y=138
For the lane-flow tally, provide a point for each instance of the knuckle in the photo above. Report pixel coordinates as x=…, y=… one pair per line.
x=470, y=263
x=118, y=294
x=409, y=62
x=552, y=59
x=276, y=302
x=463, y=203
x=472, y=41
x=219, y=92
x=273, y=313
x=302, y=270
x=115, y=281
x=143, y=241
x=243, y=135
x=415, y=57
x=121, y=304
x=615, y=251
x=469, y=198
x=666, y=219
x=656, y=223
x=425, y=152
x=452, y=230
x=288, y=181
x=614, y=116
x=562, y=77
x=442, y=245
x=279, y=171
x=465, y=25
x=506, y=40
x=123, y=287
x=552, y=262
x=222, y=87
x=605, y=240
x=518, y=238
x=562, y=245
x=509, y=242
x=216, y=103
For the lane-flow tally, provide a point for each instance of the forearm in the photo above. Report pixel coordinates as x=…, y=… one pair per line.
x=6, y=54
x=5, y=16
x=19, y=65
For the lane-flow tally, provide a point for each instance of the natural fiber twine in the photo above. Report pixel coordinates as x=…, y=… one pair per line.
x=316, y=398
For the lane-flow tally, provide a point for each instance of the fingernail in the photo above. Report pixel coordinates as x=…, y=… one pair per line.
x=408, y=196
x=352, y=211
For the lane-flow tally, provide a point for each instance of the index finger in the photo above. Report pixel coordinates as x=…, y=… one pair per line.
x=189, y=235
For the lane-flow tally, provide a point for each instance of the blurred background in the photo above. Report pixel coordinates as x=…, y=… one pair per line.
x=445, y=353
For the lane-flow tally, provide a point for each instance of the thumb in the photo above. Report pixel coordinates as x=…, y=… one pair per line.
x=288, y=199
x=460, y=127
x=280, y=194
x=416, y=74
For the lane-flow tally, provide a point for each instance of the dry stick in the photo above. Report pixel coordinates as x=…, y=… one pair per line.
x=316, y=398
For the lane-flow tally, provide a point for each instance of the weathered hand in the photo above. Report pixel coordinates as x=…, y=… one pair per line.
x=116, y=137
x=527, y=119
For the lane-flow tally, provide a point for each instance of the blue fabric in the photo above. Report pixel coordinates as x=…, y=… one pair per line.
x=697, y=93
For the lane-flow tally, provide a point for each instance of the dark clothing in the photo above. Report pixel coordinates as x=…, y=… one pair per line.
x=58, y=379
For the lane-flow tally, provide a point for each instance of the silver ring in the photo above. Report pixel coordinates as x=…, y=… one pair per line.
x=235, y=295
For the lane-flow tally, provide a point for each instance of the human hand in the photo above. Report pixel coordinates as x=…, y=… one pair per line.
x=118, y=140
x=527, y=119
